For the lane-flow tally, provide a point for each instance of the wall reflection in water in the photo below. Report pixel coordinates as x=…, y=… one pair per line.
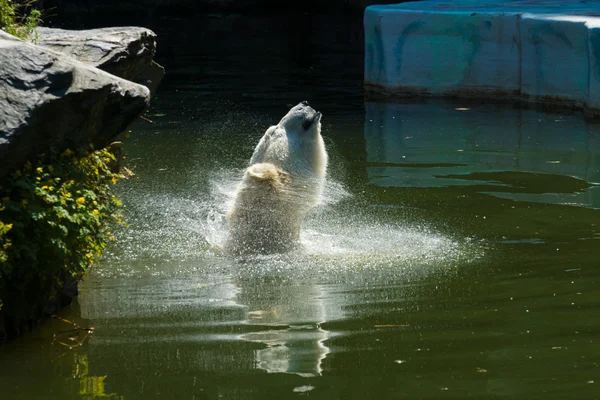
x=517, y=154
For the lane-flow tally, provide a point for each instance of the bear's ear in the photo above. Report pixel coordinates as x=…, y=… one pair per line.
x=263, y=172
x=271, y=130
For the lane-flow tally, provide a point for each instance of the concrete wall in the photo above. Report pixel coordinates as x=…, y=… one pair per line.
x=539, y=51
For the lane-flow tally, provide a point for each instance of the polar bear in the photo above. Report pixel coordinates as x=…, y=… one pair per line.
x=284, y=180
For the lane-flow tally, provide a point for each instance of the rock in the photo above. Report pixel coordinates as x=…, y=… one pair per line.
x=49, y=102
x=126, y=52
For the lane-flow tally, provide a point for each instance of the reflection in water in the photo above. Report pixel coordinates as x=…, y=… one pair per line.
x=517, y=154
x=89, y=386
x=295, y=341
x=282, y=316
x=299, y=350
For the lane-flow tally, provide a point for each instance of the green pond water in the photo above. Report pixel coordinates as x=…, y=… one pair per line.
x=454, y=255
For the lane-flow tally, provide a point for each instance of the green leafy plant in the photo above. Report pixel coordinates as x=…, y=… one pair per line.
x=55, y=220
x=19, y=18
x=4, y=242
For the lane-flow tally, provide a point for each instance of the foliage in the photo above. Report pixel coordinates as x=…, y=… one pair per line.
x=18, y=18
x=4, y=242
x=54, y=220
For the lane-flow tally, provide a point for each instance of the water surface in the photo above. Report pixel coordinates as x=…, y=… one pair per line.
x=454, y=254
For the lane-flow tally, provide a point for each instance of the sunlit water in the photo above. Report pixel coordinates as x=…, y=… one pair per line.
x=335, y=238
x=454, y=254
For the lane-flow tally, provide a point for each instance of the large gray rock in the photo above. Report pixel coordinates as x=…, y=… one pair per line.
x=126, y=52
x=49, y=102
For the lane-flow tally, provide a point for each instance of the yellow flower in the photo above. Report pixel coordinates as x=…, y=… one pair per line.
x=9, y=226
x=114, y=181
x=96, y=212
x=80, y=200
x=39, y=170
x=68, y=195
x=51, y=188
x=38, y=179
x=95, y=202
x=44, y=187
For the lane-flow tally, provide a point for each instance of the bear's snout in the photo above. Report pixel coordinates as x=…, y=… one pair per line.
x=310, y=120
x=300, y=118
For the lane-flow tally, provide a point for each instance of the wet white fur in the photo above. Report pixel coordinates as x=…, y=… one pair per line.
x=284, y=180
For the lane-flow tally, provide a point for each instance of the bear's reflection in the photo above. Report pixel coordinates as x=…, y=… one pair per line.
x=290, y=317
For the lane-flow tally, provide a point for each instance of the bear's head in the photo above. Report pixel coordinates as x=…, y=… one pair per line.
x=302, y=119
x=295, y=145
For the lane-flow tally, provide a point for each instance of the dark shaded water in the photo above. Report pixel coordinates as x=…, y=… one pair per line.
x=455, y=254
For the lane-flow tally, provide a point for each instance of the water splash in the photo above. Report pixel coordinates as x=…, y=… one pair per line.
x=340, y=239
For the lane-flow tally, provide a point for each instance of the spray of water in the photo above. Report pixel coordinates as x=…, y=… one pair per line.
x=170, y=235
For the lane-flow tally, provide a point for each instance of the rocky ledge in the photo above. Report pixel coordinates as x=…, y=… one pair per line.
x=65, y=91
x=127, y=52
